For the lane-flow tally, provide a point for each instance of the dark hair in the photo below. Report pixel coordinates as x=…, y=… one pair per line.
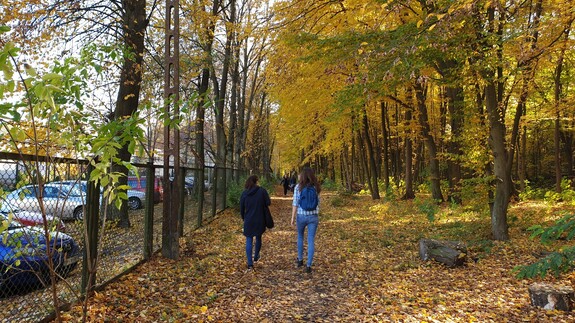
x=307, y=177
x=251, y=182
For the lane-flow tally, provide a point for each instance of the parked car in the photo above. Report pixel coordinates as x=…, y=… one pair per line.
x=136, y=199
x=189, y=185
x=65, y=203
x=23, y=256
x=139, y=184
x=189, y=182
x=27, y=218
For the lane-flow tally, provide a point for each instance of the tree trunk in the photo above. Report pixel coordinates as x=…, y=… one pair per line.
x=408, y=149
x=134, y=25
x=499, y=226
x=493, y=77
x=434, y=175
x=200, y=116
x=372, y=179
x=551, y=297
x=220, y=104
x=558, y=98
x=455, y=106
x=233, y=132
x=419, y=152
x=522, y=156
x=385, y=139
x=449, y=253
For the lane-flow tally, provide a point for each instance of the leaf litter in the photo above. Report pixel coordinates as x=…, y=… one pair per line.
x=366, y=269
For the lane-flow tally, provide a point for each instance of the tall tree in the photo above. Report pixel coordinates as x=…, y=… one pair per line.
x=134, y=23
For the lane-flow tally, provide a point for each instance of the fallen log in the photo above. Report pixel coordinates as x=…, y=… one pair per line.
x=450, y=253
x=552, y=297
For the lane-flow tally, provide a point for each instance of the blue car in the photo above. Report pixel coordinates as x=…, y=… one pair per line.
x=23, y=258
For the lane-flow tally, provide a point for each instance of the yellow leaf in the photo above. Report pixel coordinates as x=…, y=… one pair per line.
x=204, y=309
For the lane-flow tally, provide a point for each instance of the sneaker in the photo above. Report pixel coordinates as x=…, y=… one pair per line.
x=257, y=258
x=299, y=263
x=308, y=270
x=250, y=268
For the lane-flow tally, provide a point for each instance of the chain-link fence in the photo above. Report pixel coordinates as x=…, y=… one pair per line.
x=53, y=226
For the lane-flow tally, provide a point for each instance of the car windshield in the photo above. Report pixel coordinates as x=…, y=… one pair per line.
x=72, y=190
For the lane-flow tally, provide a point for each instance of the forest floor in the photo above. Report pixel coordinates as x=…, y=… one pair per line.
x=366, y=269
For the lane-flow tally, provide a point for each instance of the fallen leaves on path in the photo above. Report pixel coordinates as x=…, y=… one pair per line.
x=366, y=269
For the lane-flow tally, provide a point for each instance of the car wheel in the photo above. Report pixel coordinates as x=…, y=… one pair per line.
x=79, y=213
x=134, y=203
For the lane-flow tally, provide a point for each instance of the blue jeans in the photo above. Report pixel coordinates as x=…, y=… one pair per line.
x=311, y=222
x=249, y=247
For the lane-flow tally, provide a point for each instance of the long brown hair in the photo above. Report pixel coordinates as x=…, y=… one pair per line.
x=251, y=182
x=307, y=177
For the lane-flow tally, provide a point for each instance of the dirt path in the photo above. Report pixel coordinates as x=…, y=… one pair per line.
x=277, y=290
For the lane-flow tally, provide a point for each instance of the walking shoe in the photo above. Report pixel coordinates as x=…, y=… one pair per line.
x=299, y=263
x=257, y=258
x=308, y=270
x=250, y=268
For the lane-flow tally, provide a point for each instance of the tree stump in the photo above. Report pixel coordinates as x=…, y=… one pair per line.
x=450, y=253
x=552, y=297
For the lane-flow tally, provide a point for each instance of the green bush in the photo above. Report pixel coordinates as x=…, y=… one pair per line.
x=549, y=195
x=330, y=185
x=269, y=185
x=234, y=193
x=428, y=207
x=556, y=262
x=530, y=193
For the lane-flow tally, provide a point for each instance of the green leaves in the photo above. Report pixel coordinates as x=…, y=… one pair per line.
x=556, y=262
x=564, y=228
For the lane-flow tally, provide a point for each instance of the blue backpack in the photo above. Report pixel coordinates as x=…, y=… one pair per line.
x=308, y=199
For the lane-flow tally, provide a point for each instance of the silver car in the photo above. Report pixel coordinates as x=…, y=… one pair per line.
x=58, y=201
x=136, y=199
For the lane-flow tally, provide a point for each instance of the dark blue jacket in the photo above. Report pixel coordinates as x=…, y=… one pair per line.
x=252, y=208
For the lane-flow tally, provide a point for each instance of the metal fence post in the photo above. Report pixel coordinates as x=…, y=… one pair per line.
x=214, y=192
x=149, y=214
x=181, y=188
x=91, y=223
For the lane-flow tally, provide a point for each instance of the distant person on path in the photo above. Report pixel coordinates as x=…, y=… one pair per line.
x=253, y=203
x=286, y=182
x=292, y=182
x=305, y=214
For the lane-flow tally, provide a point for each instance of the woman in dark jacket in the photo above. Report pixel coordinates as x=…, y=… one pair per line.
x=253, y=204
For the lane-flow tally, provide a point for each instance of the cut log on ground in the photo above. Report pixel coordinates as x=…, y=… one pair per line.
x=552, y=297
x=450, y=253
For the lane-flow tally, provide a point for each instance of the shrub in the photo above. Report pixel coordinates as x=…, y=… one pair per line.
x=556, y=262
x=330, y=185
x=428, y=207
x=269, y=185
x=234, y=193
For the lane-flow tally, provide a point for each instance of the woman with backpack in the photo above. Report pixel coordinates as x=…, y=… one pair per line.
x=305, y=210
x=253, y=207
